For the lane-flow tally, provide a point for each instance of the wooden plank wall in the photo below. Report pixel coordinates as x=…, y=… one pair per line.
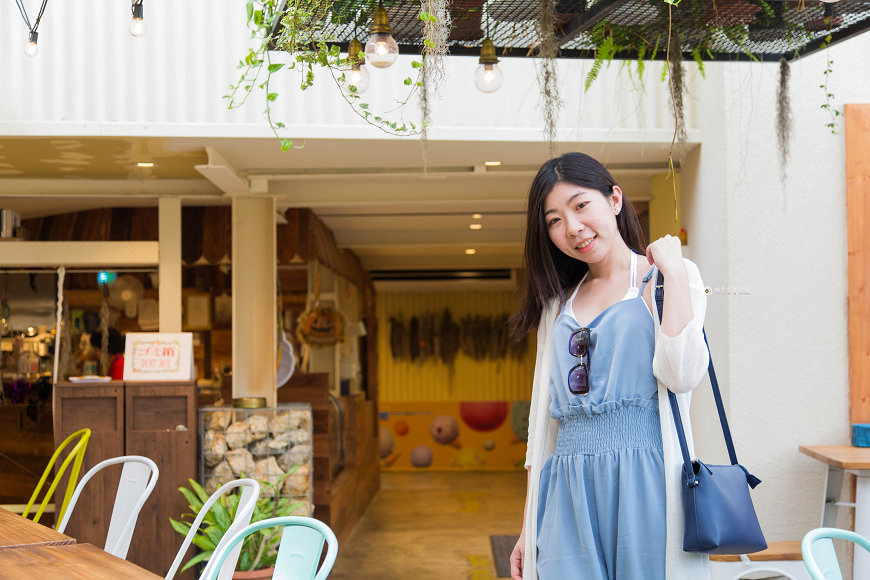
x=153, y=413
x=100, y=408
x=858, y=224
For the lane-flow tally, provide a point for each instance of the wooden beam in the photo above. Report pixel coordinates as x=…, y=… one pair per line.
x=858, y=227
x=587, y=20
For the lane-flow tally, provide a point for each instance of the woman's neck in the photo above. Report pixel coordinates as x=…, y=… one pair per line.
x=617, y=261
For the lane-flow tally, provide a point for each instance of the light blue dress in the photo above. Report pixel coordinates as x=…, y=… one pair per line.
x=601, y=512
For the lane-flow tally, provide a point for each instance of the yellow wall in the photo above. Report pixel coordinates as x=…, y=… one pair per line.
x=661, y=207
x=403, y=381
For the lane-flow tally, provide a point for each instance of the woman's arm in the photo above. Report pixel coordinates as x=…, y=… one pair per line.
x=681, y=357
x=518, y=555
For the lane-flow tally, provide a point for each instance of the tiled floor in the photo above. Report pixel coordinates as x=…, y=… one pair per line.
x=433, y=526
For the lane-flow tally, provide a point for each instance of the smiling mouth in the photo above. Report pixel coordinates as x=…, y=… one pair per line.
x=586, y=242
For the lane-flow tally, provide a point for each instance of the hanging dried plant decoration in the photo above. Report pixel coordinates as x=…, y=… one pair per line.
x=548, y=72
x=104, y=328
x=783, y=117
x=436, y=29
x=65, y=341
x=676, y=80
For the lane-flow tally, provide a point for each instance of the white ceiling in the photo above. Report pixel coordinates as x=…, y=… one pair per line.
x=374, y=195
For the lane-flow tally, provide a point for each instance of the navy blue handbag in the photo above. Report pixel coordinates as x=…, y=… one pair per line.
x=720, y=517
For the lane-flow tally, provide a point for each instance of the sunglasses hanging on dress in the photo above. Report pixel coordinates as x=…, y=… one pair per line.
x=578, y=377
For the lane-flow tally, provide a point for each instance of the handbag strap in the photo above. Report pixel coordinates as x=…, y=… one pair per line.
x=717, y=395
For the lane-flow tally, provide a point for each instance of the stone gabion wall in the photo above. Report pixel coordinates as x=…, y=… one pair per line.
x=260, y=444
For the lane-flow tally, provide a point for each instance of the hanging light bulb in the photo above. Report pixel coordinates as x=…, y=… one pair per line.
x=358, y=77
x=137, y=25
x=488, y=76
x=30, y=49
x=381, y=49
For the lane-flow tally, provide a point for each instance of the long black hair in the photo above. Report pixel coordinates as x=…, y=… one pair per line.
x=548, y=271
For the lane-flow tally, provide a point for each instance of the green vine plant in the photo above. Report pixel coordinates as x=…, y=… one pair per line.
x=307, y=34
x=828, y=95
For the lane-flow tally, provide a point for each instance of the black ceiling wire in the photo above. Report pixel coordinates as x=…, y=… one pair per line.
x=31, y=28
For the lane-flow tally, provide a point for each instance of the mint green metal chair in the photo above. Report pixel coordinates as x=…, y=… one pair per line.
x=817, y=549
x=298, y=553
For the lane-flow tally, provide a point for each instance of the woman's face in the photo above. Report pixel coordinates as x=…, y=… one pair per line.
x=581, y=221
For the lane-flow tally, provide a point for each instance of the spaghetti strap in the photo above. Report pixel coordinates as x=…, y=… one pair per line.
x=646, y=279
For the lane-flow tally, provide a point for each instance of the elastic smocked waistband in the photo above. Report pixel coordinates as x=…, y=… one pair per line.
x=622, y=428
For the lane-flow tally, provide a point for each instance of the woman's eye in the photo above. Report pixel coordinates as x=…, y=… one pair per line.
x=552, y=221
x=580, y=206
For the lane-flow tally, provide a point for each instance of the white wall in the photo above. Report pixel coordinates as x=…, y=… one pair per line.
x=782, y=351
x=92, y=78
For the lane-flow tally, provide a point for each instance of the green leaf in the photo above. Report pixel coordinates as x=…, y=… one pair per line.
x=199, y=491
x=279, y=125
x=416, y=64
x=363, y=106
x=258, y=17
x=408, y=81
x=272, y=96
x=250, y=9
x=214, y=534
x=202, y=556
x=203, y=542
x=179, y=527
x=245, y=561
x=696, y=54
x=286, y=144
x=192, y=500
x=223, y=519
x=424, y=16
x=275, y=67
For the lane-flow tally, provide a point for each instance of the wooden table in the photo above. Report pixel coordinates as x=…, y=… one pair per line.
x=842, y=459
x=73, y=562
x=18, y=532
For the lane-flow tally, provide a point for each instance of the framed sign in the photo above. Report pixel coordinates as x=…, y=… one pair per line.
x=155, y=356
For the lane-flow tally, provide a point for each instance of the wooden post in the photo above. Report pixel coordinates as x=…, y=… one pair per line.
x=858, y=227
x=169, y=238
x=254, y=305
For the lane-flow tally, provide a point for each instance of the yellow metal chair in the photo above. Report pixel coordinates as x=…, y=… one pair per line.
x=75, y=456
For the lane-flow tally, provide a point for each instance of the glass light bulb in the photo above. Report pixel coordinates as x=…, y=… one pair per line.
x=382, y=50
x=358, y=78
x=137, y=27
x=488, y=77
x=30, y=49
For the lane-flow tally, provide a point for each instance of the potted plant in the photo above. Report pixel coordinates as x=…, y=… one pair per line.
x=260, y=549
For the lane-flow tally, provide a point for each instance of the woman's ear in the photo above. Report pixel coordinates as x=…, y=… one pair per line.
x=616, y=199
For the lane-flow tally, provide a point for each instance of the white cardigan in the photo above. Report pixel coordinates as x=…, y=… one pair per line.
x=679, y=364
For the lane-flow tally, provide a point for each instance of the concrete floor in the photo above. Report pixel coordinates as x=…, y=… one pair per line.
x=433, y=526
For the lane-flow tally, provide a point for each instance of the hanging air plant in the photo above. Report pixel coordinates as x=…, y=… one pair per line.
x=676, y=82
x=783, y=117
x=551, y=102
x=436, y=29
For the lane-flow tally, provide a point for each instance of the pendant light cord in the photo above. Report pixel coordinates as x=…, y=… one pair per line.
x=26, y=19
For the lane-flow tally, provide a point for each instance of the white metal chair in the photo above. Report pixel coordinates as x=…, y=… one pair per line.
x=244, y=512
x=133, y=489
x=298, y=552
x=782, y=558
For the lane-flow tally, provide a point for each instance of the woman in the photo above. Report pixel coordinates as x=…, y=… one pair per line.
x=117, y=343
x=603, y=500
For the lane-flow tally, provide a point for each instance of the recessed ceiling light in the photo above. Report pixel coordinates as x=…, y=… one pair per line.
x=492, y=163
x=470, y=251
x=145, y=165
x=476, y=216
x=475, y=226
